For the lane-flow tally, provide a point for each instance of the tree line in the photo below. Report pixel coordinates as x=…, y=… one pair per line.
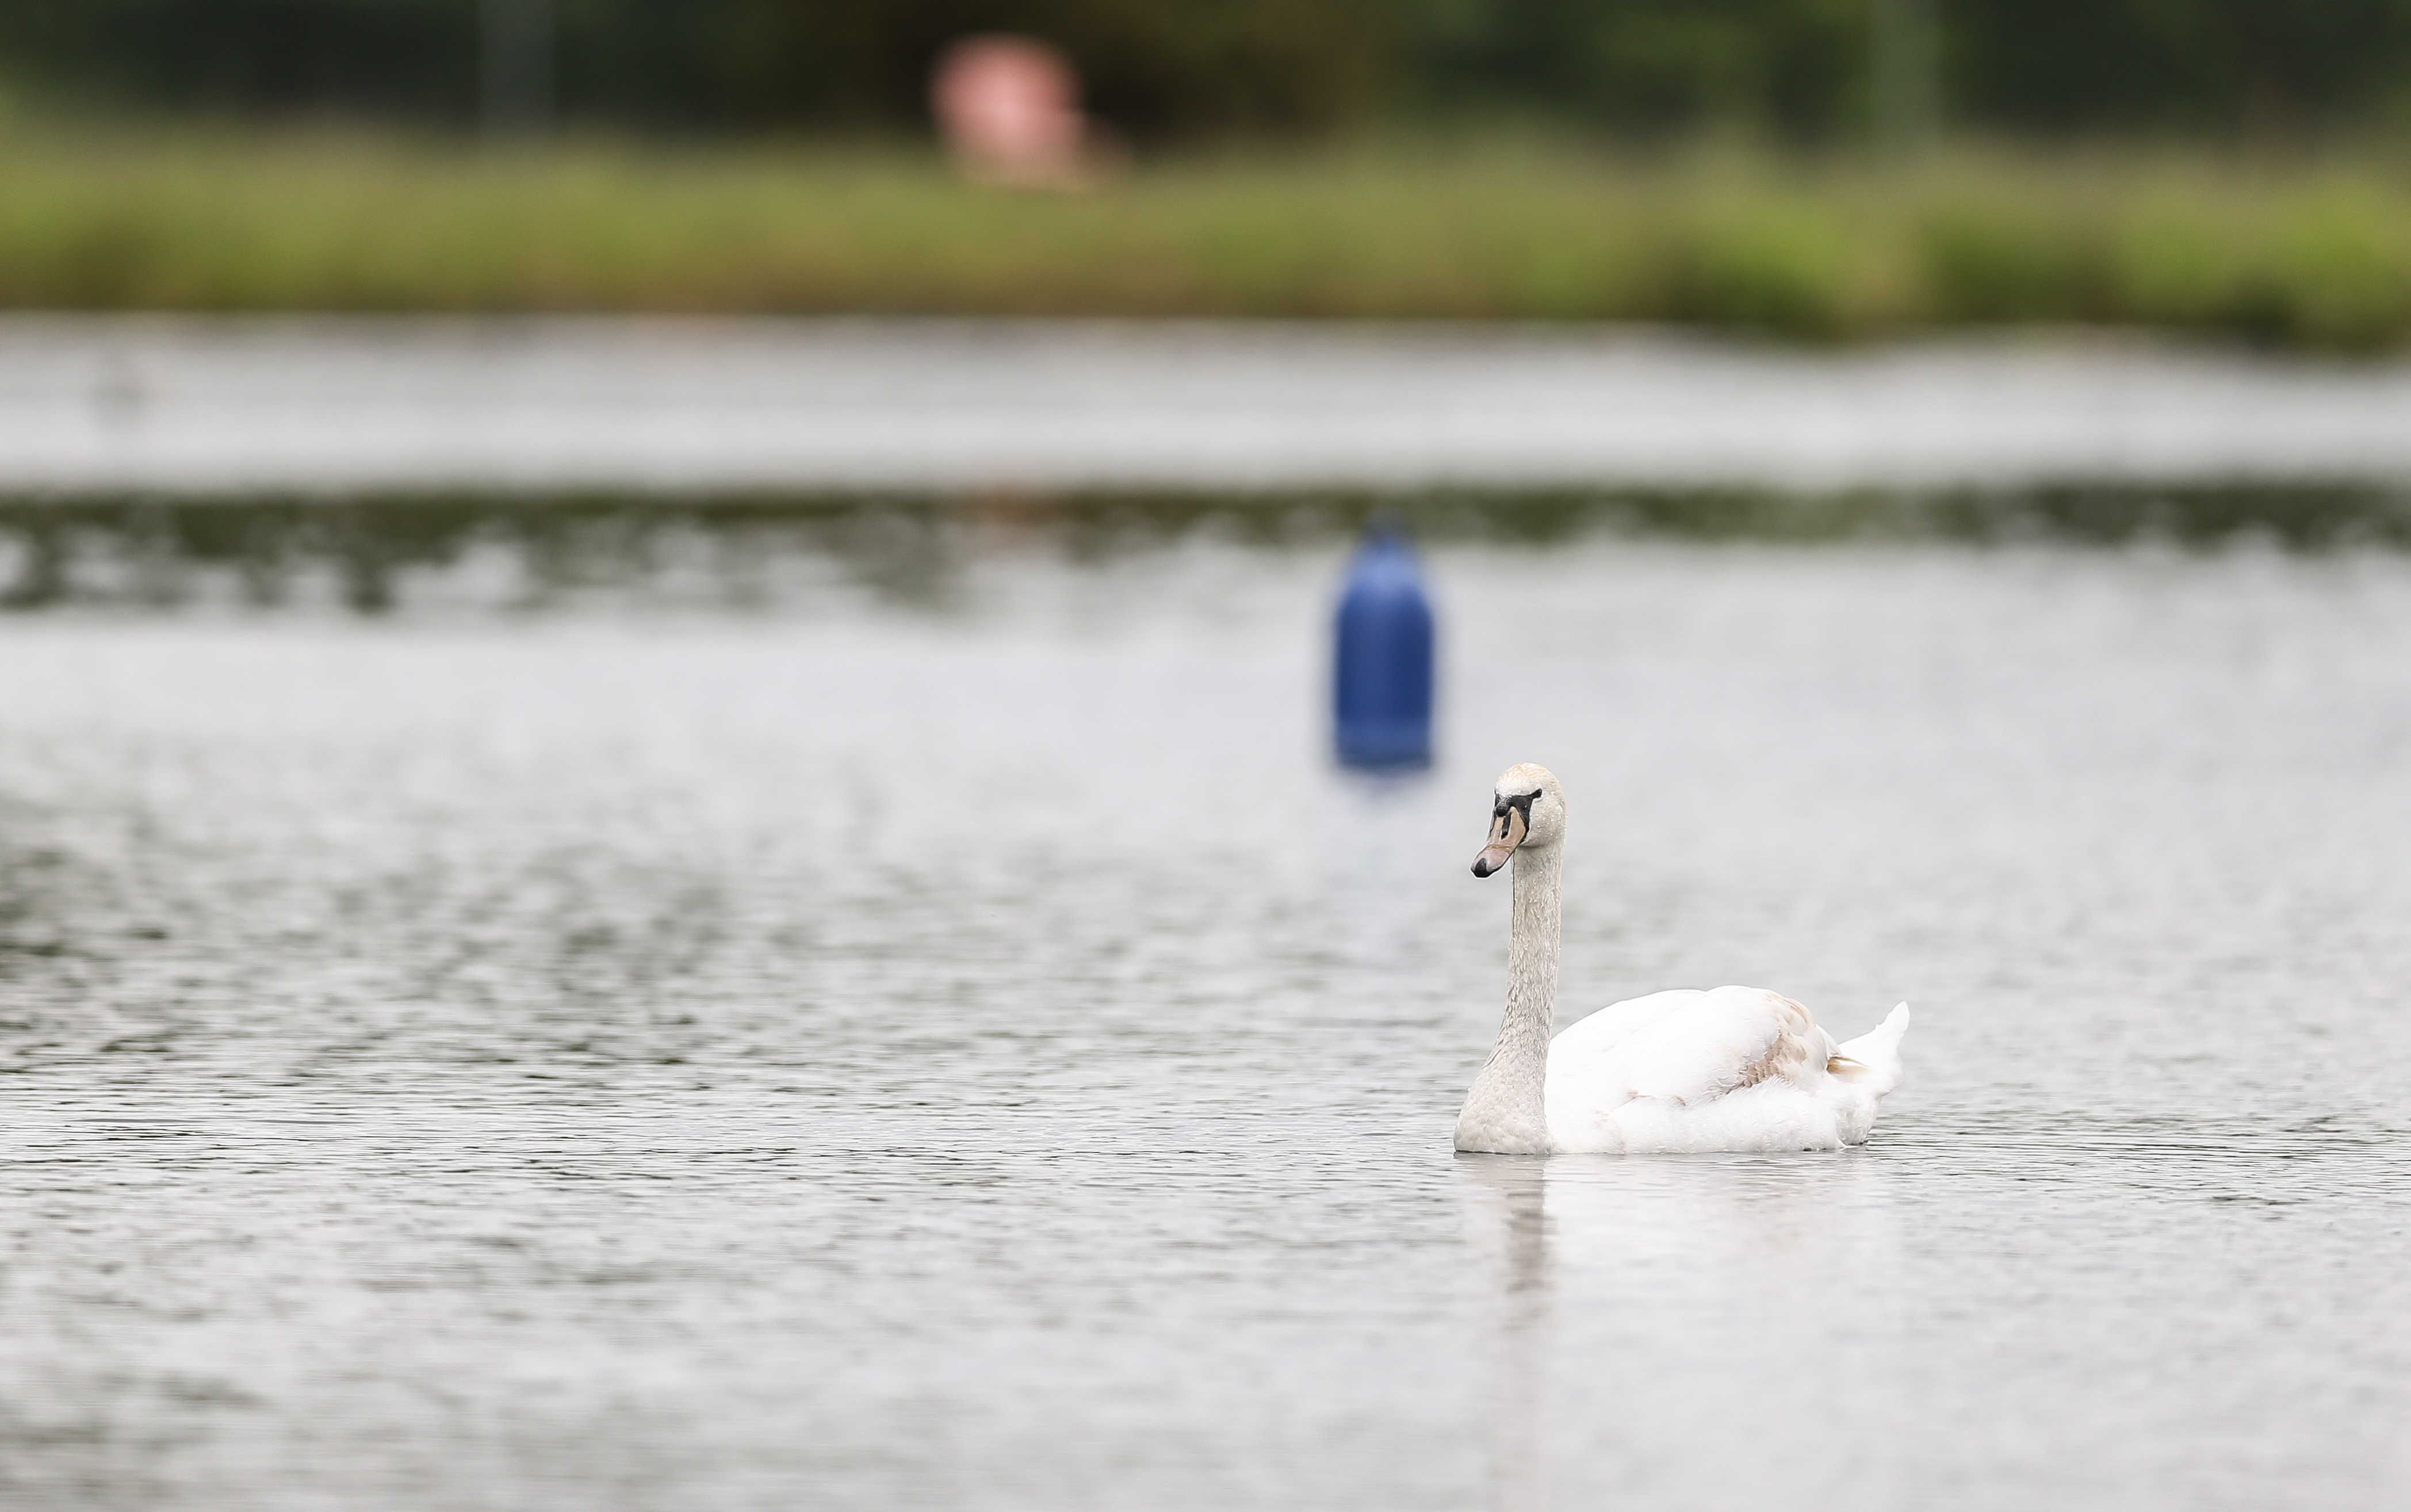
x=1811, y=70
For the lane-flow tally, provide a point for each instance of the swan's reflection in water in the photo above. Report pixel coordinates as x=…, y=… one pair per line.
x=1508, y=1194
x=1689, y=1332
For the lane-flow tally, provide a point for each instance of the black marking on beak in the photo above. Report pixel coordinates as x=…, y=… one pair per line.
x=1520, y=806
x=1522, y=801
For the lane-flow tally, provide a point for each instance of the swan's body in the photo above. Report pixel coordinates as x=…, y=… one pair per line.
x=1736, y=1069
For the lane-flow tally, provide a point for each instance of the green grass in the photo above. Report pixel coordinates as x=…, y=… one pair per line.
x=2309, y=253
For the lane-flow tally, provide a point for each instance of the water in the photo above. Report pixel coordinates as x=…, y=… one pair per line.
x=197, y=406
x=948, y=1039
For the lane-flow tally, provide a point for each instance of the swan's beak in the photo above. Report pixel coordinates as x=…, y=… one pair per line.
x=1507, y=827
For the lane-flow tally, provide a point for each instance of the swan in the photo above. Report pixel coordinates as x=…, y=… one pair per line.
x=1735, y=1068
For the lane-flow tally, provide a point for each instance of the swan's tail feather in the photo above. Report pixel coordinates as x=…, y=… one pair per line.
x=1873, y=1059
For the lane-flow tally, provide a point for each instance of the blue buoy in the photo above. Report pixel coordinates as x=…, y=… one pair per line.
x=1381, y=662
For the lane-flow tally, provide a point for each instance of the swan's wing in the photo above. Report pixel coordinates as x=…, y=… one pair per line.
x=1689, y=1046
x=1586, y=1079
x=1615, y=1023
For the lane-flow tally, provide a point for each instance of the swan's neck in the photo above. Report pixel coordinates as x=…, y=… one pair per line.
x=1507, y=1111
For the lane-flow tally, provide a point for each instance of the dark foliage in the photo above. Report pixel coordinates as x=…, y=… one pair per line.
x=1164, y=67
x=364, y=56
x=2262, y=68
x=1150, y=67
x=1797, y=66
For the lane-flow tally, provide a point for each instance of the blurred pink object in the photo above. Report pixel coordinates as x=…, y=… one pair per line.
x=1009, y=107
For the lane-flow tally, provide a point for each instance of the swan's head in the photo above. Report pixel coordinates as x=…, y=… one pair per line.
x=1528, y=811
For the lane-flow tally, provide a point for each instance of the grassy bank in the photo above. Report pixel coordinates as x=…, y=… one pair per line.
x=2316, y=255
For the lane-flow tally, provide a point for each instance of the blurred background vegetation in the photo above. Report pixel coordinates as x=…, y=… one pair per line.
x=1163, y=70
x=1816, y=168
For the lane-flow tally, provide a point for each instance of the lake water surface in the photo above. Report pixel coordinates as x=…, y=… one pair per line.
x=200, y=406
x=952, y=1041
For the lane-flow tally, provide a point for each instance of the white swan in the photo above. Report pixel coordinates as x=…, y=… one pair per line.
x=1736, y=1069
